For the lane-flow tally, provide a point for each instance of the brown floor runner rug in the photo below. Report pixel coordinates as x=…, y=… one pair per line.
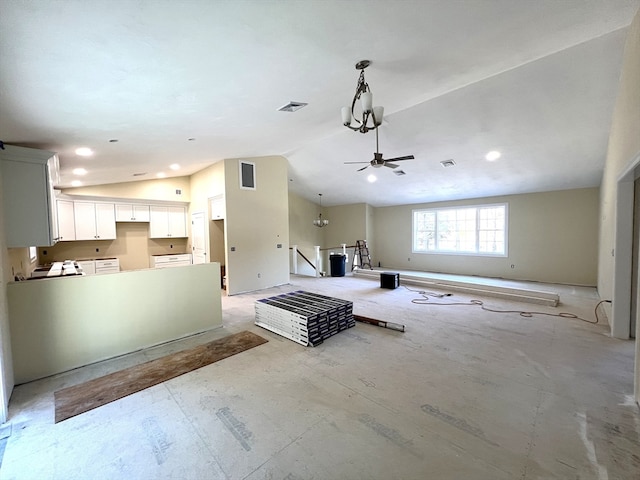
x=81, y=398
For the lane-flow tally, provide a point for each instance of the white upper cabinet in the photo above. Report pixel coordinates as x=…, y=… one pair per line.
x=66, y=221
x=132, y=213
x=168, y=222
x=217, y=207
x=95, y=221
x=28, y=177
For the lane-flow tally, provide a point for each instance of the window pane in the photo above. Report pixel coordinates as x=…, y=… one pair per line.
x=465, y=230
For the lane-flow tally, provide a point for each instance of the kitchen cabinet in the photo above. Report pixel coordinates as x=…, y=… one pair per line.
x=88, y=266
x=28, y=177
x=94, y=221
x=66, y=220
x=167, y=222
x=165, y=261
x=102, y=265
x=132, y=213
x=107, y=265
x=217, y=207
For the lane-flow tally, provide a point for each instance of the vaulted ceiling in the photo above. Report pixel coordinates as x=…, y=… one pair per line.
x=535, y=80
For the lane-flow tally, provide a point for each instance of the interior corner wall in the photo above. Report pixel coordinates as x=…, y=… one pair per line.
x=552, y=238
x=303, y=233
x=623, y=150
x=257, y=226
x=347, y=223
x=624, y=146
x=205, y=184
x=6, y=362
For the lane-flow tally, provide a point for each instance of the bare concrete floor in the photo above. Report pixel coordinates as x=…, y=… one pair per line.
x=462, y=394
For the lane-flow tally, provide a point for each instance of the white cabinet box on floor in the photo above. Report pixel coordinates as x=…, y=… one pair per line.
x=102, y=265
x=164, y=261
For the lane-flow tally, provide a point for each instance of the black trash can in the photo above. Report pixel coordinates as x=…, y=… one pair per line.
x=338, y=264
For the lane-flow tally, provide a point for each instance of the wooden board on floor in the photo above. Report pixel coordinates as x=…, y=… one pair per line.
x=81, y=398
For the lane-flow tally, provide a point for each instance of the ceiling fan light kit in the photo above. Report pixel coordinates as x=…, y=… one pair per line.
x=363, y=93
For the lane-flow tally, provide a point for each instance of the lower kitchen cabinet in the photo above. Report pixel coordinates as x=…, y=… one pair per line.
x=102, y=265
x=164, y=261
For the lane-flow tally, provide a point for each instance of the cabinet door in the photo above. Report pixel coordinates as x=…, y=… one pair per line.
x=66, y=222
x=124, y=213
x=84, y=214
x=140, y=213
x=177, y=221
x=158, y=222
x=29, y=201
x=217, y=207
x=105, y=221
x=131, y=213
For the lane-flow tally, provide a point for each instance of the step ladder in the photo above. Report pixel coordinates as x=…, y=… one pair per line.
x=361, y=255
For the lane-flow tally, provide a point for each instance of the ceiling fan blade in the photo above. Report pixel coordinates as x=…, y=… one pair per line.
x=390, y=165
x=399, y=159
x=360, y=169
x=346, y=163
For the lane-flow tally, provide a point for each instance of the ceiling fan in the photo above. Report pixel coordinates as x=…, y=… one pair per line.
x=378, y=161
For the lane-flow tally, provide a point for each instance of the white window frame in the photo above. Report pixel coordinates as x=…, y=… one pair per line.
x=475, y=253
x=253, y=168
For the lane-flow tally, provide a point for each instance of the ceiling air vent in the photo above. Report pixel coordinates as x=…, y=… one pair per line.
x=399, y=172
x=447, y=163
x=292, y=107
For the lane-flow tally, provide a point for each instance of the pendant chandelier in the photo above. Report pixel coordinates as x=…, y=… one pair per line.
x=363, y=93
x=320, y=222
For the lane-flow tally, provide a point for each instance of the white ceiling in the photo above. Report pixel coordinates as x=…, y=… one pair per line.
x=536, y=80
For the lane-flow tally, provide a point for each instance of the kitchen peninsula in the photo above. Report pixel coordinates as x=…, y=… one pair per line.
x=94, y=317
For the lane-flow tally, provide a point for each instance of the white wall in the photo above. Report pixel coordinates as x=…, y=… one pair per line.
x=257, y=221
x=303, y=233
x=205, y=184
x=552, y=238
x=6, y=363
x=623, y=150
x=347, y=223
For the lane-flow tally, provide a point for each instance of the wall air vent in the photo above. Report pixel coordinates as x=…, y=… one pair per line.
x=292, y=107
x=447, y=163
x=399, y=172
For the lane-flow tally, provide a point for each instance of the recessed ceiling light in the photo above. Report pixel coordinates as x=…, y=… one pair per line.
x=79, y=171
x=84, y=152
x=113, y=140
x=76, y=183
x=493, y=155
x=161, y=174
x=139, y=174
x=191, y=139
x=174, y=166
x=372, y=178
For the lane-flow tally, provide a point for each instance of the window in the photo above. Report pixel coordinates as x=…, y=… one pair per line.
x=247, y=175
x=33, y=254
x=477, y=230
